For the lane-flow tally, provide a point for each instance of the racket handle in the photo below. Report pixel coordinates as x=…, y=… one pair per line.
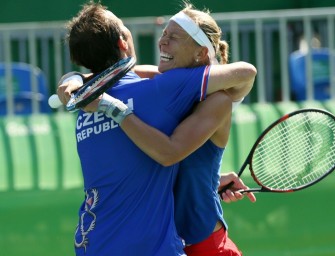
x=224, y=188
x=54, y=101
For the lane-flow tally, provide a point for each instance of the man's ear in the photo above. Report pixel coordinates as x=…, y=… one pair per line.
x=122, y=44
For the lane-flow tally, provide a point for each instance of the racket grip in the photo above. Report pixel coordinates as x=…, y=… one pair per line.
x=224, y=188
x=54, y=101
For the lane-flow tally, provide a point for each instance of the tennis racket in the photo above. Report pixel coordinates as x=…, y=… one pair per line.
x=293, y=153
x=95, y=86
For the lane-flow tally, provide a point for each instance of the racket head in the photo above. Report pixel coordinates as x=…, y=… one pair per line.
x=99, y=84
x=294, y=152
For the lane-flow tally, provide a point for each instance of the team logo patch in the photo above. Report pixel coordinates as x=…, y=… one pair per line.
x=87, y=219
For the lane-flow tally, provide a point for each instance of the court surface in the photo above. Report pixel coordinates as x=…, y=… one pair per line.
x=37, y=223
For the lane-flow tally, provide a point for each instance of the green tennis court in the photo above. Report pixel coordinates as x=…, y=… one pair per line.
x=37, y=223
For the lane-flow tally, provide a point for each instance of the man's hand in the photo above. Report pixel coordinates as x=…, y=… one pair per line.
x=232, y=194
x=69, y=83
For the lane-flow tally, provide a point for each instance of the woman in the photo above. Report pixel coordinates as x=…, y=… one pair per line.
x=198, y=211
x=220, y=77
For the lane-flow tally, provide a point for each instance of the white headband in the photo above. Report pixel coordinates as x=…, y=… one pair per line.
x=196, y=33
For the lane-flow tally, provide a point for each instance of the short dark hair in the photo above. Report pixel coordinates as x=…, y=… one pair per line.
x=93, y=39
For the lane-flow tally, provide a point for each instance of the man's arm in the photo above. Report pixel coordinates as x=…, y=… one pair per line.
x=68, y=83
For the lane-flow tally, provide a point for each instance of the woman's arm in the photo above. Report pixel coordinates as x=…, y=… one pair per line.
x=190, y=134
x=236, y=79
x=146, y=71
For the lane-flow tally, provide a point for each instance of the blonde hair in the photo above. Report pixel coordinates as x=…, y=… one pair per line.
x=209, y=26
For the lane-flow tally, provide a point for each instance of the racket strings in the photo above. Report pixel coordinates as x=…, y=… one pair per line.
x=295, y=152
x=99, y=84
x=103, y=78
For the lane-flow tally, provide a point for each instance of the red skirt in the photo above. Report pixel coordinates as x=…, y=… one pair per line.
x=217, y=244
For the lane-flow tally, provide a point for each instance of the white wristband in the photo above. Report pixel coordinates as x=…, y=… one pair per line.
x=72, y=76
x=114, y=108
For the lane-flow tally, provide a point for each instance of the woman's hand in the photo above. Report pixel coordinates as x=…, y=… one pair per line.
x=232, y=194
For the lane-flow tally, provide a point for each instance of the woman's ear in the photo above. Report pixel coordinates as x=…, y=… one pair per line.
x=201, y=54
x=122, y=44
